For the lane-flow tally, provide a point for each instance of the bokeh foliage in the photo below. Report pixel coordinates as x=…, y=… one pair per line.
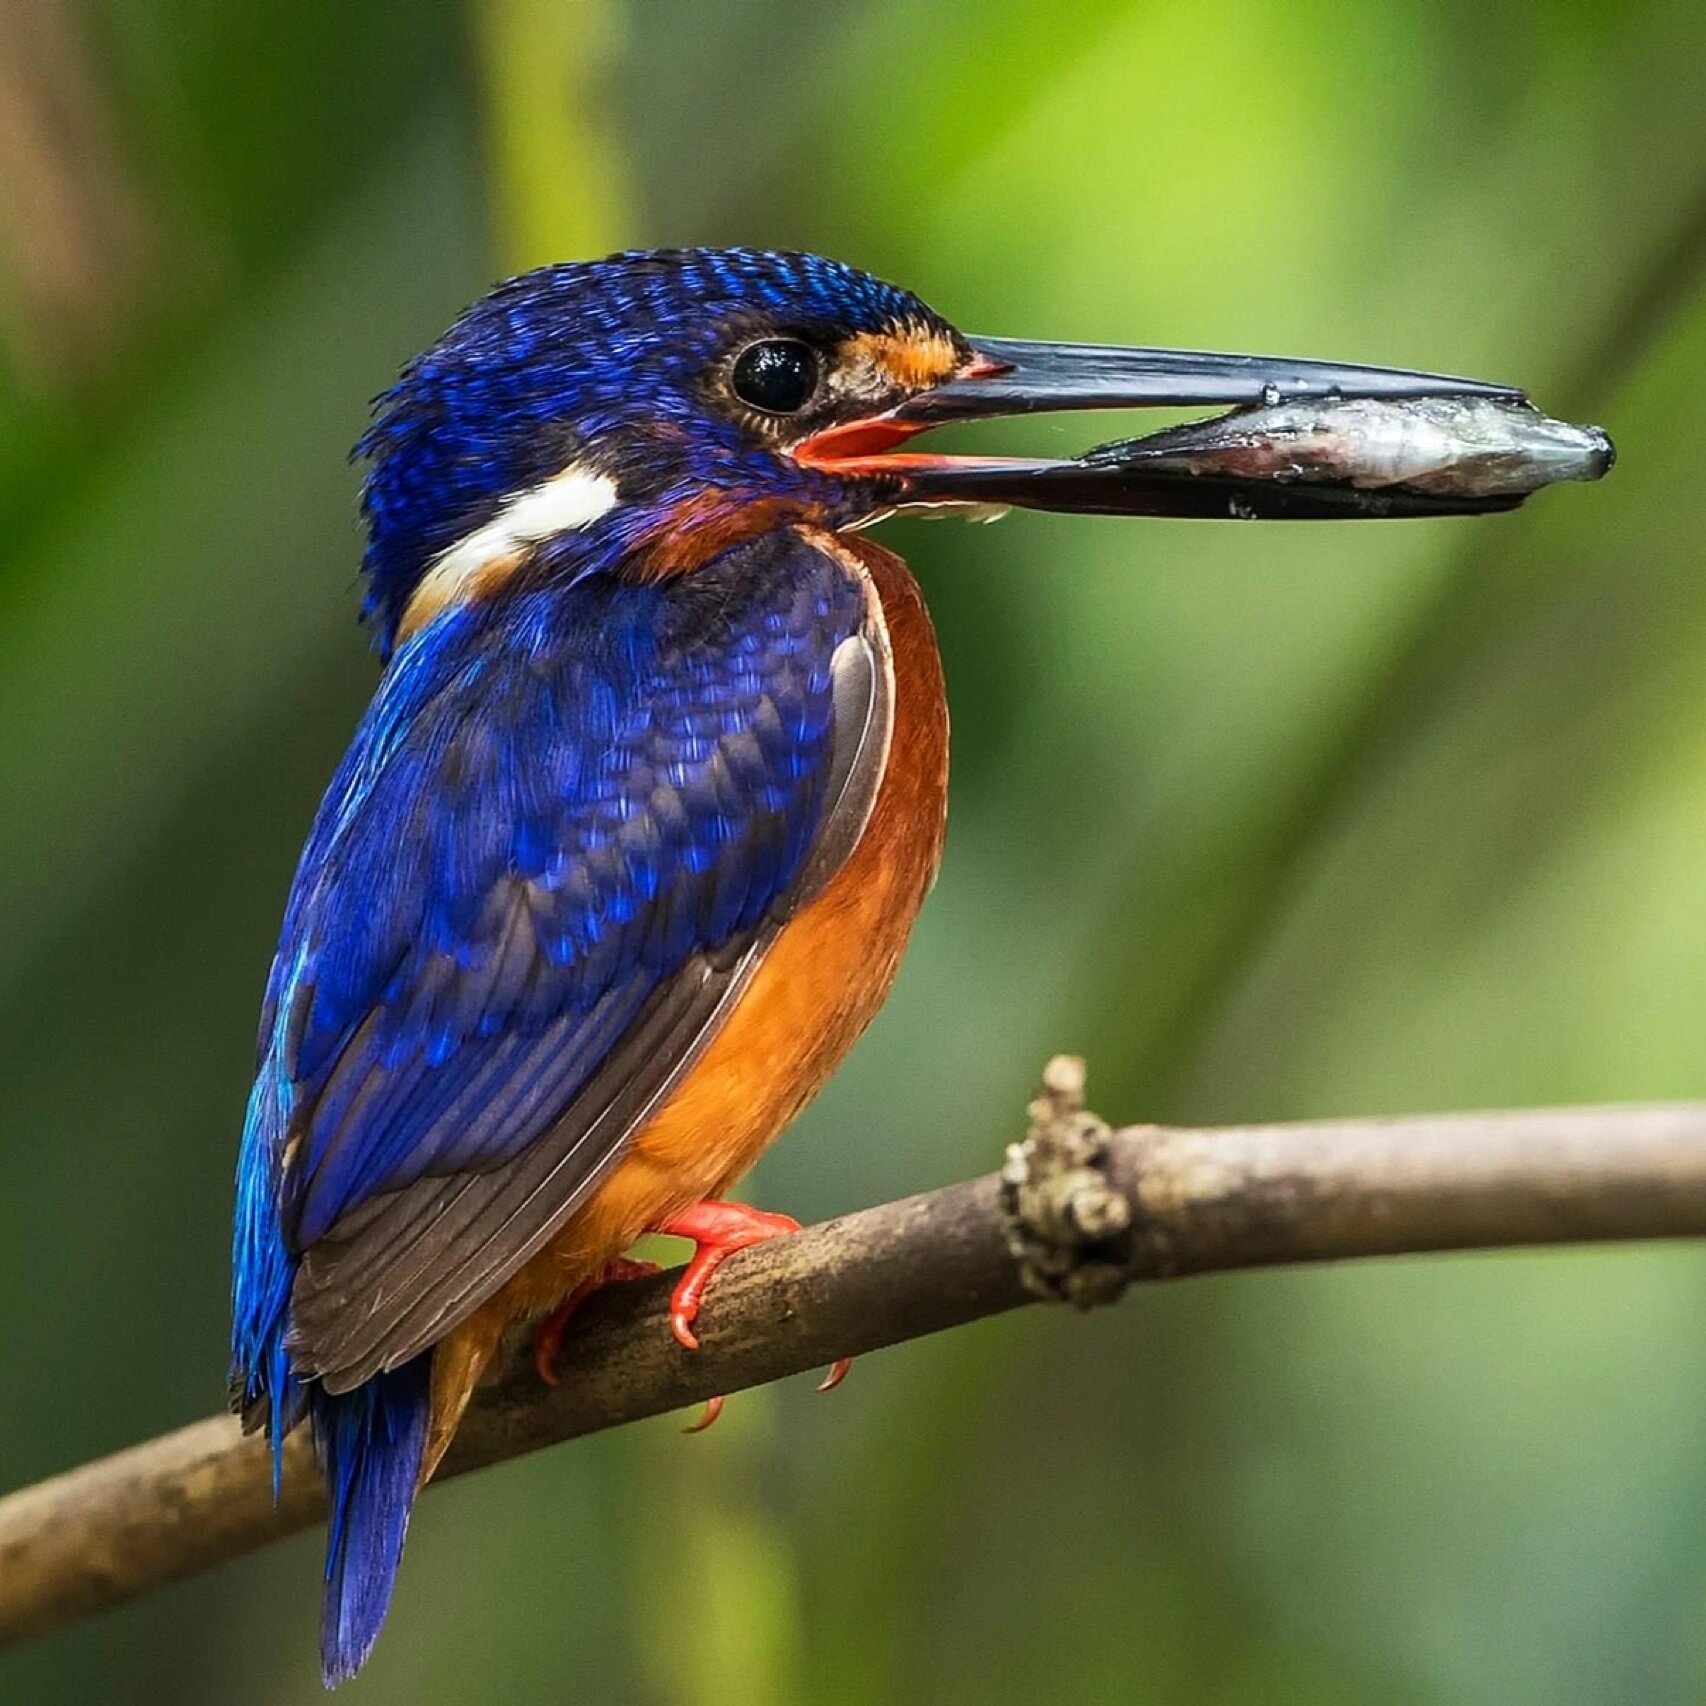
x=1267, y=821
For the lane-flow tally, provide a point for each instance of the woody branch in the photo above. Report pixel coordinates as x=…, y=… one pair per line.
x=1078, y=1213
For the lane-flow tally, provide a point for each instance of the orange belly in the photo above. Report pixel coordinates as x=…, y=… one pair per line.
x=819, y=985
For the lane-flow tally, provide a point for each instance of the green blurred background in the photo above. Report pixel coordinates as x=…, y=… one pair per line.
x=1266, y=821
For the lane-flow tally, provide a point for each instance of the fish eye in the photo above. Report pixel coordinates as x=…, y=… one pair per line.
x=777, y=375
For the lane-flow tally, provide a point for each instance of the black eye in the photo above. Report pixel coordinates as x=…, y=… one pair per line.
x=778, y=375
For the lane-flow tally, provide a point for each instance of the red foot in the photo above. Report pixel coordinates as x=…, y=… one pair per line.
x=717, y=1230
x=548, y=1343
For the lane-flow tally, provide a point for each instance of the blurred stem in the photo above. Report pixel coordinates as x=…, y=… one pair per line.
x=729, y=1630
x=560, y=185
x=708, y=1545
x=1655, y=299
x=74, y=235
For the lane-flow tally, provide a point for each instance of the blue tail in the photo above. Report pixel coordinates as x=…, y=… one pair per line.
x=370, y=1443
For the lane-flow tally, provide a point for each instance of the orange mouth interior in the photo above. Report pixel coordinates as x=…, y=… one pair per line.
x=867, y=446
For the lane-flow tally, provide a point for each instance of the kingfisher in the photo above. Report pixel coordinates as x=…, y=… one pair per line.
x=627, y=846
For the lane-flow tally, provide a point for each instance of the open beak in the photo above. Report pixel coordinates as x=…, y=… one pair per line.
x=1014, y=377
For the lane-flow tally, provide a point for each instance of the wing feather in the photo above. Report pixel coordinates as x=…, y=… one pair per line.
x=532, y=898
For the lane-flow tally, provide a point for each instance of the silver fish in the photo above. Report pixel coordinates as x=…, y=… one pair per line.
x=1457, y=447
x=1328, y=457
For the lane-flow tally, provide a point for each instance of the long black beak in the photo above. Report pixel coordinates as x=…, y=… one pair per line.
x=1017, y=377
x=1008, y=376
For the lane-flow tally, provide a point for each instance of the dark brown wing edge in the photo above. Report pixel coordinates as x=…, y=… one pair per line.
x=395, y=1275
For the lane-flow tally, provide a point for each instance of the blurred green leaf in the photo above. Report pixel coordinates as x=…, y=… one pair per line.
x=559, y=178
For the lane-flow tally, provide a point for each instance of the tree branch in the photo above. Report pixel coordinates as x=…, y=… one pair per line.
x=1078, y=1213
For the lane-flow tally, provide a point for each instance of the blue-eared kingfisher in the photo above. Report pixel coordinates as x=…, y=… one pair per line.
x=628, y=844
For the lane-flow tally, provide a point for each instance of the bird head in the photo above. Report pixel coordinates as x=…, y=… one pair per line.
x=637, y=415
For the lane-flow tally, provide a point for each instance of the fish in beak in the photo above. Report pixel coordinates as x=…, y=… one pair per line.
x=1307, y=440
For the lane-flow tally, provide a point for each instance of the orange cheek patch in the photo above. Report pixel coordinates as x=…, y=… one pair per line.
x=912, y=359
x=694, y=532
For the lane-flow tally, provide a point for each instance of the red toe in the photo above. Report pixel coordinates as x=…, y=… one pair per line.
x=713, y=1409
x=548, y=1342
x=717, y=1230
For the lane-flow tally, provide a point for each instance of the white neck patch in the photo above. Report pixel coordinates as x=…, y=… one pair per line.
x=566, y=502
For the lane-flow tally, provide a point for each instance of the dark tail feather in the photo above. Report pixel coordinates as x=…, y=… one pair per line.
x=370, y=1443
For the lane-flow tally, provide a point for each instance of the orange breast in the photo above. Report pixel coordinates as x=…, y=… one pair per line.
x=818, y=987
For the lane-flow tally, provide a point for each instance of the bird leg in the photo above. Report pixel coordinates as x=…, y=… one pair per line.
x=717, y=1230
x=548, y=1343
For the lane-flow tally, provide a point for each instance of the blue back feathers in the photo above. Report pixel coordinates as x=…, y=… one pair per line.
x=552, y=802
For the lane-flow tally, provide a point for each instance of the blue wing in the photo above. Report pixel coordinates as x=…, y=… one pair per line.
x=567, y=828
